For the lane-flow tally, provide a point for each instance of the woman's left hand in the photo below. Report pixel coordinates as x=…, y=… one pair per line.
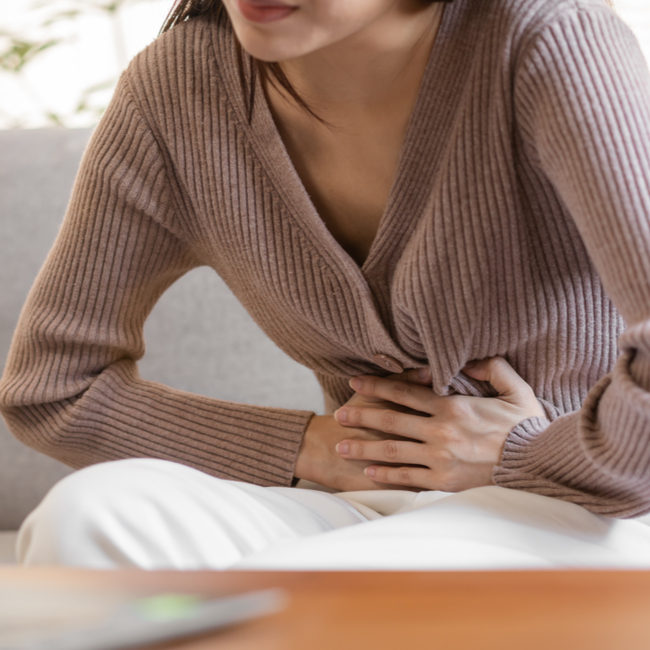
x=458, y=441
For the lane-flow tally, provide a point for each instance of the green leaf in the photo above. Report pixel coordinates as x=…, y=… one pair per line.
x=62, y=15
x=21, y=52
x=54, y=118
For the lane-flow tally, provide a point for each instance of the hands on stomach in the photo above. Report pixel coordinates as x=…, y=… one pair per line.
x=396, y=433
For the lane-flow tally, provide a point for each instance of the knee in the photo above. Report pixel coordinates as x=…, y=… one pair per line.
x=73, y=523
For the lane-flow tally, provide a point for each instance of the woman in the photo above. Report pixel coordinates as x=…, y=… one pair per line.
x=452, y=194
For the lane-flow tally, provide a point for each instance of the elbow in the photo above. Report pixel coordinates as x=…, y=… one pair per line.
x=42, y=428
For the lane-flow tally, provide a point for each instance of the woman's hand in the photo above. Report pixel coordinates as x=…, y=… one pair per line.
x=455, y=446
x=318, y=460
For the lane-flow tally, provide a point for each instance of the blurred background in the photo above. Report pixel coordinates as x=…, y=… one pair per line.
x=60, y=59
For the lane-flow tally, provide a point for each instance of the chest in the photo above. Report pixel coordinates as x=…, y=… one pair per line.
x=460, y=267
x=401, y=203
x=349, y=182
x=347, y=168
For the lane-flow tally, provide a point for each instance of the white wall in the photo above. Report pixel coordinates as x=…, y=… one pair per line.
x=57, y=77
x=56, y=80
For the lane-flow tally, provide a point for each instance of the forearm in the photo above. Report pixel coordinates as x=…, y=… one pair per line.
x=71, y=387
x=122, y=416
x=582, y=98
x=597, y=457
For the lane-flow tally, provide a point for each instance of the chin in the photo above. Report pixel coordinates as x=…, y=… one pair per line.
x=268, y=47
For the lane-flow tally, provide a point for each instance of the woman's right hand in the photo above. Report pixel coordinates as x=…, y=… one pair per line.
x=318, y=460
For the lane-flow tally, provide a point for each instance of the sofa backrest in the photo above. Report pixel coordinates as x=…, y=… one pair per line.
x=199, y=338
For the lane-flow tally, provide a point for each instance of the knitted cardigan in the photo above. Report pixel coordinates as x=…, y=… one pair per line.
x=517, y=225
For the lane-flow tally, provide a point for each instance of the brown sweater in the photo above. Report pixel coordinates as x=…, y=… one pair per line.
x=518, y=225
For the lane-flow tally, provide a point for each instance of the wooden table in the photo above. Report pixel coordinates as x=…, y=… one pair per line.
x=572, y=610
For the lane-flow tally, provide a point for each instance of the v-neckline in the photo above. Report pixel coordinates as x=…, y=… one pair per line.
x=419, y=162
x=263, y=117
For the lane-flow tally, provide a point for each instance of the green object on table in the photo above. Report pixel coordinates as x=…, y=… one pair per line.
x=35, y=619
x=168, y=607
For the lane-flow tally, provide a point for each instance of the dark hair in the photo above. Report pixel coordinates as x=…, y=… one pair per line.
x=186, y=9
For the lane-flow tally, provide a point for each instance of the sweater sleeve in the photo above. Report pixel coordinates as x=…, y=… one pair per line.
x=582, y=100
x=71, y=387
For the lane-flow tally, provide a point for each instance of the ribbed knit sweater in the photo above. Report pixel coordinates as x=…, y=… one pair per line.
x=518, y=225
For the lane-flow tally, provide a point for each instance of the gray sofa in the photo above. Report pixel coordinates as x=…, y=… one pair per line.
x=199, y=338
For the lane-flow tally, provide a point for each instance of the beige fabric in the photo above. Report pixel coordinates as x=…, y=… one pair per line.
x=153, y=514
x=520, y=204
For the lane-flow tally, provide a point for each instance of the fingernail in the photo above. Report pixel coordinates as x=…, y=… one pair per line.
x=341, y=415
x=424, y=374
x=343, y=448
x=470, y=364
x=370, y=471
x=356, y=383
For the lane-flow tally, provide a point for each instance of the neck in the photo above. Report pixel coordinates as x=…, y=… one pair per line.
x=373, y=67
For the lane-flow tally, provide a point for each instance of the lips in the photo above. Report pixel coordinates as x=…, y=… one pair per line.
x=264, y=11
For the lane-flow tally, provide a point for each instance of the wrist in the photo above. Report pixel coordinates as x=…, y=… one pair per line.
x=310, y=455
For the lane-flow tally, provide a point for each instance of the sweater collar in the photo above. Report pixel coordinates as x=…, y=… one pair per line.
x=419, y=163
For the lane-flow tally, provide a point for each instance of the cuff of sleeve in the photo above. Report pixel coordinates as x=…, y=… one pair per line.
x=535, y=459
x=520, y=439
x=596, y=457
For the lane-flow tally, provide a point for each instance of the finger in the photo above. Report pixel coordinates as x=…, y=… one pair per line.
x=387, y=451
x=418, y=477
x=421, y=376
x=385, y=420
x=500, y=374
x=418, y=398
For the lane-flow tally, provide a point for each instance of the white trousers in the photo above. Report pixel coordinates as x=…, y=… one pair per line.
x=156, y=514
